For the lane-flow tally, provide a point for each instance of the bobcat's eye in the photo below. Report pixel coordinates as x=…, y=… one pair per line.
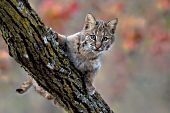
x=105, y=38
x=93, y=37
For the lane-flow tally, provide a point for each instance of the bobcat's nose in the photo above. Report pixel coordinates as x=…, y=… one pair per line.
x=98, y=45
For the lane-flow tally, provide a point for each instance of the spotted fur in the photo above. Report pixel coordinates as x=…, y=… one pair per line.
x=85, y=48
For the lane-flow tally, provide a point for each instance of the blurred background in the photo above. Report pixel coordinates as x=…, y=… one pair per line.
x=135, y=76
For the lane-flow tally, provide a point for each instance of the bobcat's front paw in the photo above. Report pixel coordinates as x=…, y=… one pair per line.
x=90, y=90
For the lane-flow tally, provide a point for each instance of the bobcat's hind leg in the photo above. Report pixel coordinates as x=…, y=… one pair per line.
x=24, y=86
x=42, y=92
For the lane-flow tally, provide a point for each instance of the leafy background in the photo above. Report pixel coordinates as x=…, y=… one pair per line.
x=135, y=75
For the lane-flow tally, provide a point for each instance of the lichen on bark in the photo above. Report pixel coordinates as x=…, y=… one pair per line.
x=35, y=48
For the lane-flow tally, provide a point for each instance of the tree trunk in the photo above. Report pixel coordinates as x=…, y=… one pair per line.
x=35, y=48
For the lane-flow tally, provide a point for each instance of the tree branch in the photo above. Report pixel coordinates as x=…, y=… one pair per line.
x=35, y=48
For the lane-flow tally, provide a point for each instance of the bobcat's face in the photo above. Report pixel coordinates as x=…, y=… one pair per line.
x=98, y=35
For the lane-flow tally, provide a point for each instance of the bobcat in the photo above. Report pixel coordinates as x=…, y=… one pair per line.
x=84, y=49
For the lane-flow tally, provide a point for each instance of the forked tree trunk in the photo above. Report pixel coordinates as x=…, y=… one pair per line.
x=33, y=46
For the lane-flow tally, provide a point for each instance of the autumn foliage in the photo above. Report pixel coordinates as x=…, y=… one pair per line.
x=142, y=33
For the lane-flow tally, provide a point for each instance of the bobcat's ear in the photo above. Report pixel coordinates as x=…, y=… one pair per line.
x=112, y=25
x=90, y=22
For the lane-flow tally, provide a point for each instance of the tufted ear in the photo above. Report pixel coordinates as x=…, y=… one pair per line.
x=90, y=22
x=112, y=25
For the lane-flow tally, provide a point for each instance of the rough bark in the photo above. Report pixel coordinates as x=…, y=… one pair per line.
x=33, y=46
